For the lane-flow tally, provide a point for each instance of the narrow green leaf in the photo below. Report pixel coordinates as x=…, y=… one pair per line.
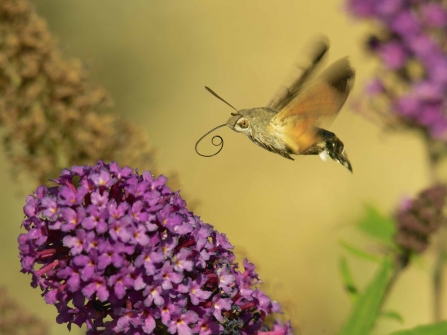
x=348, y=281
x=377, y=225
x=439, y=328
x=367, y=307
x=392, y=315
x=356, y=251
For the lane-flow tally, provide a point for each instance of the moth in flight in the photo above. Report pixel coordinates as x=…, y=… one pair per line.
x=290, y=123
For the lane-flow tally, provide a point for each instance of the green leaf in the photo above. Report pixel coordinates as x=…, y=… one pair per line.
x=367, y=308
x=392, y=315
x=348, y=281
x=439, y=328
x=356, y=251
x=377, y=225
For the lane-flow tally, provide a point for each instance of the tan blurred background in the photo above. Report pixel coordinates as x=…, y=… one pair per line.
x=155, y=58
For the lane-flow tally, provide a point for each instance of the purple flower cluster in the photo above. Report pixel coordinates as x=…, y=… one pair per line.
x=417, y=219
x=410, y=42
x=121, y=253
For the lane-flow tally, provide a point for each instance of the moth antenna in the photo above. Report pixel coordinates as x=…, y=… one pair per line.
x=218, y=97
x=216, y=144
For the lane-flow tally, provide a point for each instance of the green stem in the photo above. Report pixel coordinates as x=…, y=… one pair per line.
x=400, y=263
x=434, y=156
x=438, y=287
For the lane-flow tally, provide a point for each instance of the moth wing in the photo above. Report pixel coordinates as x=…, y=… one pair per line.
x=302, y=72
x=298, y=135
x=318, y=103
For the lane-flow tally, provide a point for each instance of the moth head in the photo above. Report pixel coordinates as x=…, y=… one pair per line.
x=240, y=121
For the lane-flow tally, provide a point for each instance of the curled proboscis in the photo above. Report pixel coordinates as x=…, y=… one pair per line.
x=219, y=143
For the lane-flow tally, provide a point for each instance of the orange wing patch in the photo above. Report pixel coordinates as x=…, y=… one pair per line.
x=298, y=135
x=319, y=102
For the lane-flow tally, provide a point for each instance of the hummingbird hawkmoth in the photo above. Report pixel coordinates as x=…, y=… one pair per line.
x=289, y=124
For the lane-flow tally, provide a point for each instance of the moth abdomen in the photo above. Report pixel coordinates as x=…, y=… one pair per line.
x=329, y=145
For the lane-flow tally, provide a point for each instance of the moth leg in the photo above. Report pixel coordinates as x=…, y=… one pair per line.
x=315, y=149
x=318, y=149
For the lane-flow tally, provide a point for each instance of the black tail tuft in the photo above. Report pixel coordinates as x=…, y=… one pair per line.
x=334, y=148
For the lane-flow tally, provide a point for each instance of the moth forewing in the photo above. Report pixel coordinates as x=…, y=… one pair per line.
x=303, y=70
x=323, y=97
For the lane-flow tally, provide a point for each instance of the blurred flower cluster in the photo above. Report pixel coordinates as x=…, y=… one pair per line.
x=410, y=39
x=417, y=219
x=51, y=115
x=16, y=321
x=120, y=252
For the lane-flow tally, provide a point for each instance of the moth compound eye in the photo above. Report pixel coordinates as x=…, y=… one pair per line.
x=243, y=123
